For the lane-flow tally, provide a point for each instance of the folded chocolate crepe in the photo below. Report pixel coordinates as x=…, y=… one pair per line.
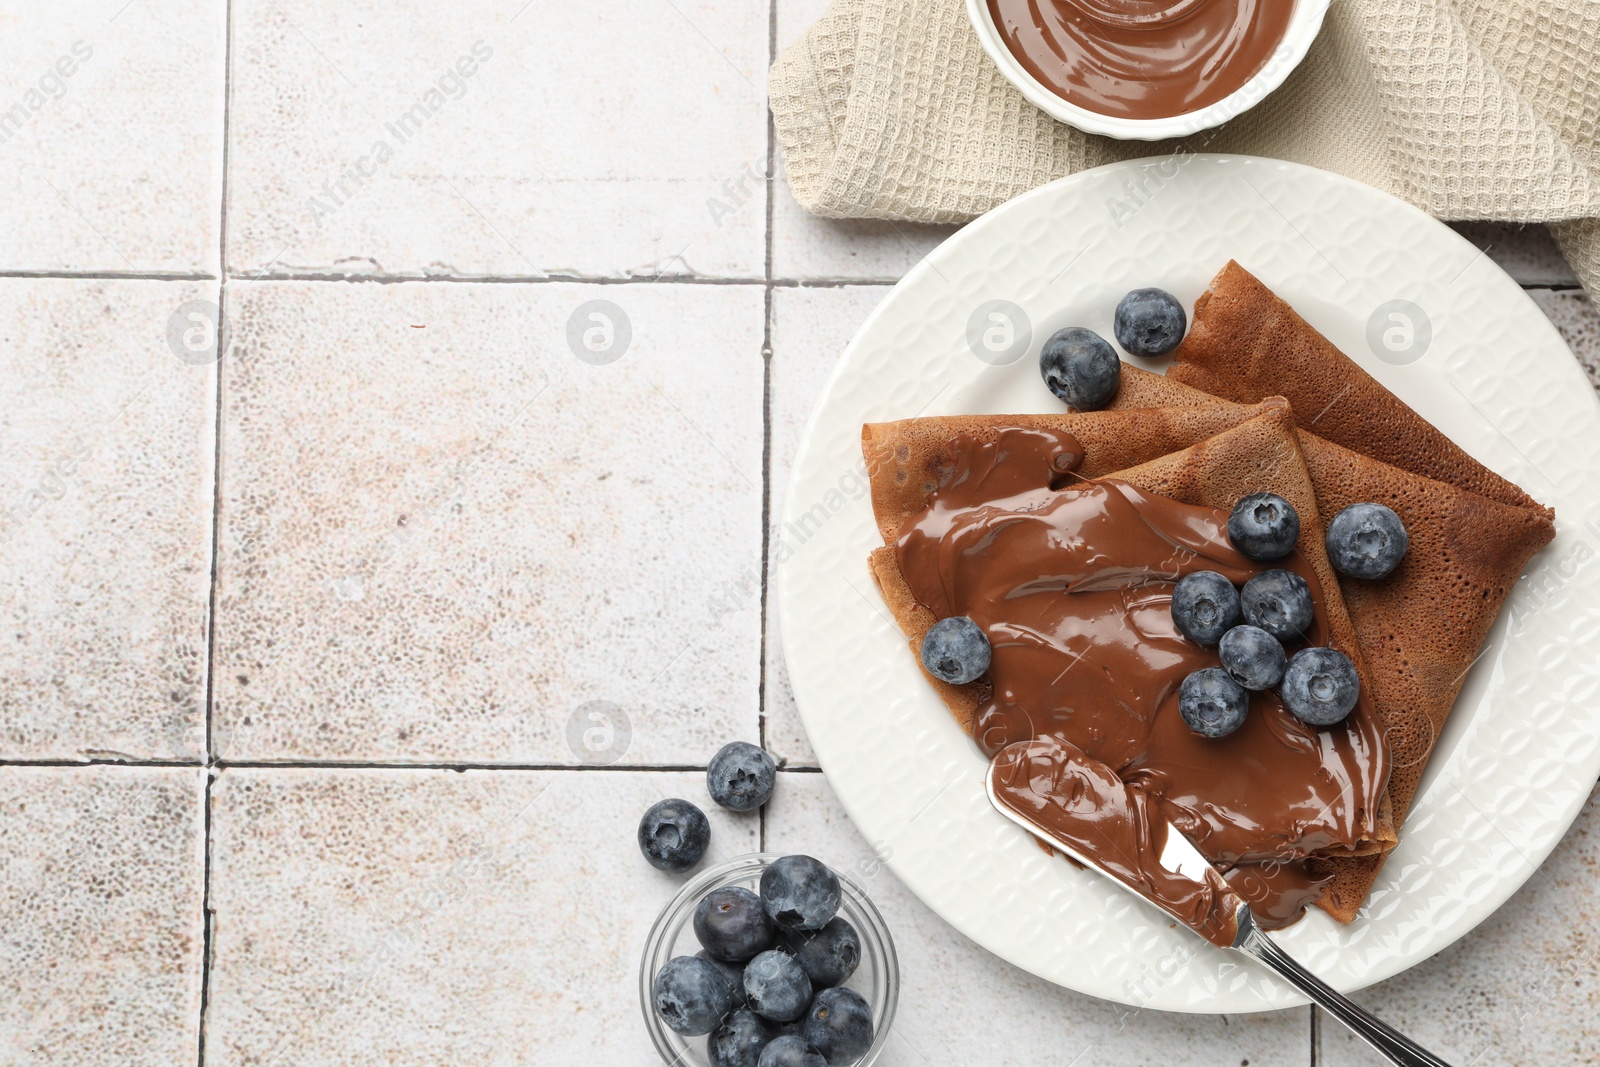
x=1245, y=343
x=1253, y=449
x=1420, y=629
x=1423, y=626
x=907, y=460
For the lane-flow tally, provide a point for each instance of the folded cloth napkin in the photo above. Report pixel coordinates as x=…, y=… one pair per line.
x=1469, y=110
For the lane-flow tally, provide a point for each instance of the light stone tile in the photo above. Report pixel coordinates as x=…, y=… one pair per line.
x=959, y=1004
x=810, y=328
x=444, y=536
x=1575, y=315
x=1520, y=989
x=111, y=135
x=383, y=917
x=1528, y=253
x=106, y=457
x=100, y=885
x=486, y=137
x=805, y=247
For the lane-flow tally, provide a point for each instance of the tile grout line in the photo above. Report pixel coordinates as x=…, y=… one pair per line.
x=112, y=275
x=766, y=416
x=220, y=764
x=223, y=338
x=1316, y=1034
x=817, y=282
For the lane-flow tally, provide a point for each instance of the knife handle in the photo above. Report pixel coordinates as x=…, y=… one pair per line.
x=1394, y=1046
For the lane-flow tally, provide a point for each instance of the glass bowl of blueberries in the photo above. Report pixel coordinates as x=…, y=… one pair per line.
x=769, y=960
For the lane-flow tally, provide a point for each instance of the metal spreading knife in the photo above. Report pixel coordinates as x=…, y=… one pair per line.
x=1159, y=864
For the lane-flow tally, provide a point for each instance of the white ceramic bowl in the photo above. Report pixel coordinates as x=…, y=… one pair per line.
x=1303, y=27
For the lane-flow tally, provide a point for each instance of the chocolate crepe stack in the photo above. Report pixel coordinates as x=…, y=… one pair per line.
x=1472, y=532
x=1213, y=430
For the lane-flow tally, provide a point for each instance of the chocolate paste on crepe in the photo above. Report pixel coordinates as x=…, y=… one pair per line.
x=1072, y=580
x=1085, y=805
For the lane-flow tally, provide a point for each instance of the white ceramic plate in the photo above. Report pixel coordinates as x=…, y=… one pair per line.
x=1460, y=342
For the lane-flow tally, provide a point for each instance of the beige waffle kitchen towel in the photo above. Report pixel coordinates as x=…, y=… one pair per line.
x=1486, y=110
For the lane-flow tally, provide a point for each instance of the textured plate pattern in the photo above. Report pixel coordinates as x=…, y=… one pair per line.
x=1470, y=351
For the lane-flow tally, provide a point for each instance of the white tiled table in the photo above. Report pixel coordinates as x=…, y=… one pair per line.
x=302, y=642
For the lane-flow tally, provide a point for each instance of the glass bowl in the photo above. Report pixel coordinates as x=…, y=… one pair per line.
x=877, y=978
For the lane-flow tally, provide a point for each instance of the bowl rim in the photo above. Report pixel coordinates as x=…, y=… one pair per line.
x=689, y=895
x=1304, y=26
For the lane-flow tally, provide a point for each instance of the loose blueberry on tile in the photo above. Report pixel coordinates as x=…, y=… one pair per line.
x=740, y=776
x=1254, y=658
x=673, y=835
x=1213, y=704
x=1320, y=686
x=1264, y=526
x=691, y=995
x=732, y=925
x=1367, y=541
x=733, y=972
x=830, y=955
x=776, y=986
x=1149, y=322
x=791, y=1051
x=955, y=650
x=839, y=1025
x=800, y=893
x=1205, y=605
x=1279, y=602
x=1081, y=368
x=739, y=1040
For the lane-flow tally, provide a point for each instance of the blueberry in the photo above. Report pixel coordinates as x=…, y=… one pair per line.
x=1264, y=526
x=733, y=972
x=1320, y=686
x=1081, y=368
x=830, y=955
x=1150, y=322
x=800, y=893
x=1279, y=602
x=739, y=1040
x=955, y=650
x=1252, y=657
x=691, y=995
x=1366, y=541
x=791, y=1051
x=839, y=1024
x=1205, y=605
x=732, y=925
x=740, y=776
x=673, y=835
x=1211, y=703
x=777, y=986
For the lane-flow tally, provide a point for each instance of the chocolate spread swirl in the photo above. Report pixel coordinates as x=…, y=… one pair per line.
x=1072, y=582
x=1142, y=59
